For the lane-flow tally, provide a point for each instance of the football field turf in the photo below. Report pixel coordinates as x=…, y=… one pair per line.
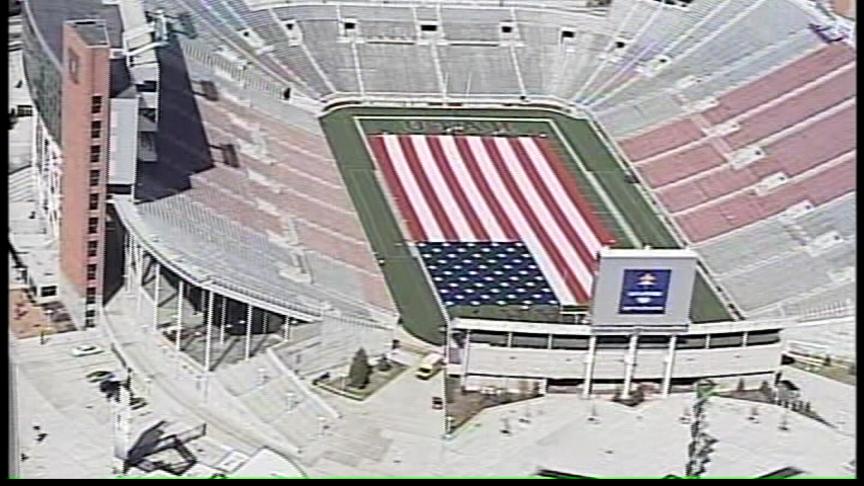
x=600, y=178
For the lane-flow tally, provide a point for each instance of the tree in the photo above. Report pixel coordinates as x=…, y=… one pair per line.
x=740, y=387
x=358, y=375
x=852, y=369
x=766, y=390
x=638, y=395
x=827, y=362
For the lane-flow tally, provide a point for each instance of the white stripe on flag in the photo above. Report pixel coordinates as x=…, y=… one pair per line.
x=574, y=215
x=514, y=214
x=472, y=192
x=551, y=225
x=412, y=189
x=442, y=189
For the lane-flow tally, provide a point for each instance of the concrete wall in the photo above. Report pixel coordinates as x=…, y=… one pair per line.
x=124, y=141
x=609, y=364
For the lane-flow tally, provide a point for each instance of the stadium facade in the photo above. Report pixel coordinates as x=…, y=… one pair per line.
x=230, y=214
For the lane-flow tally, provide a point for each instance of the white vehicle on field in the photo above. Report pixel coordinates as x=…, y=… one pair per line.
x=429, y=366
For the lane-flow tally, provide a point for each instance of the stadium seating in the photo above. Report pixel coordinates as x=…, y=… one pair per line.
x=688, y=94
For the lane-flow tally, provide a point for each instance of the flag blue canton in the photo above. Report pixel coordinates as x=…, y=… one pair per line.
x=485, y=273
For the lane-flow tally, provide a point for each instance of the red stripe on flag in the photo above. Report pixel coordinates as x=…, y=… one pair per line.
x=575, y=194
x=428, y=190
x=402, y=201
x=456, y=189
x=483, y=186
x=545, y=194
x=552, y=250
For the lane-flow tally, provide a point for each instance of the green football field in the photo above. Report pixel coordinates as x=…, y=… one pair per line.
x=601, y=178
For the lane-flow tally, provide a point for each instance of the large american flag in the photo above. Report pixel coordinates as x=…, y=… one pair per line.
x=462, y=189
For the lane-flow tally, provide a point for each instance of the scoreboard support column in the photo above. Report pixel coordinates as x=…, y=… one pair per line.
x=670, y=361
x=630, y=364
x=589, y=366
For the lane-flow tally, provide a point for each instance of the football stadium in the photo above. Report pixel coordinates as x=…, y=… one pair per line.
x=577, y=195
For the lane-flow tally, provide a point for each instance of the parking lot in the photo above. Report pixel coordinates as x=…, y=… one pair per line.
x=53, y=395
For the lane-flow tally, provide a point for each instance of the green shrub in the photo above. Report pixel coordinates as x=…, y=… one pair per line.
x=358, y=375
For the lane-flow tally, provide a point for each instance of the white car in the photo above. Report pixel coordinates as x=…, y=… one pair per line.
x=86, y=350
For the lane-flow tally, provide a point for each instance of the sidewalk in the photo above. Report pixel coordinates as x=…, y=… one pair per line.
x=175, y=387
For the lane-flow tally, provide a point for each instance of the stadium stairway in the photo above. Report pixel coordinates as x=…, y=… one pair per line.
x=21, y=185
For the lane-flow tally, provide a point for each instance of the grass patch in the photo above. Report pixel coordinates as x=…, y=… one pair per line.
x=377, y=379
x=464, y=405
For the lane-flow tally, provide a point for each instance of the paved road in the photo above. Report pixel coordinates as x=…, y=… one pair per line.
x=52, y=393
x=14, y=446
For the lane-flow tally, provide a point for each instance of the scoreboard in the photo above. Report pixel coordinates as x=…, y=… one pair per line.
x=644, y=287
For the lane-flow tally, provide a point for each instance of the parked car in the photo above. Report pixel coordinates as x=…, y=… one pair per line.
x=86, y=350
x=430, y=365
x=437, y=403
x=99, y=376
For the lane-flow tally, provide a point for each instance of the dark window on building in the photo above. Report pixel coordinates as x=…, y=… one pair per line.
x=539, y=341
x=96, y=105
x=49, y=291
x=567, y=34
x=726, y=340
x=95, y=129
x=489, y=337
x=756, y=338
x=147, y=87
x=569, y=342
x=90, y=313
x=428, y=28
x=613, y=342
x=289, y=25
x=94, y=177
x=94, y=202
x=653, y=342
x=696, y=341
x=92, y=225
x=95, y=152
x=286, y=94
x=149, y=114
x=91, y=299
x=91, y=271
x=350, y=25
x=92, y=248
x=506, y=29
